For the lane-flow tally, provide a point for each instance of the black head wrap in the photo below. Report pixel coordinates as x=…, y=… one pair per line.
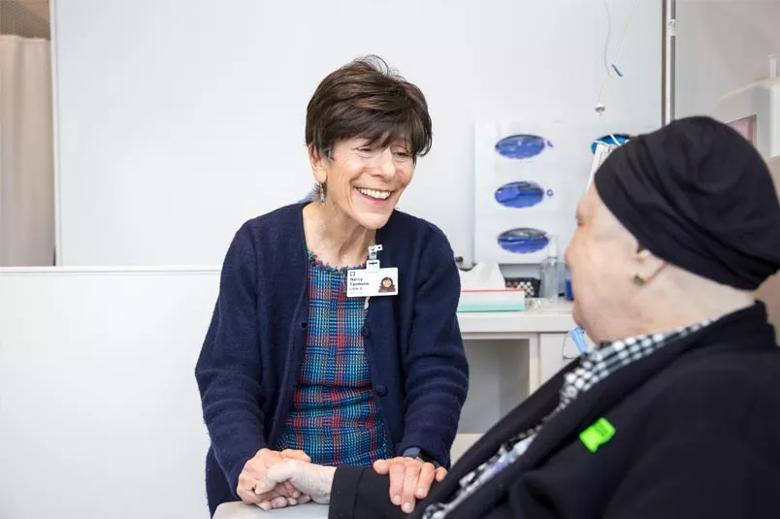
x=698, y=195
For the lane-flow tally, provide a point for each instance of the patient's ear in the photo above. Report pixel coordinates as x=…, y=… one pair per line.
x=647, y=264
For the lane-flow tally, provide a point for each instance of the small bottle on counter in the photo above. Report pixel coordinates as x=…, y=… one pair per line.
x=551, y=272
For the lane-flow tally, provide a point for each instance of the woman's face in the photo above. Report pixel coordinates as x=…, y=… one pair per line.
x=600, y=259
x=365, y=182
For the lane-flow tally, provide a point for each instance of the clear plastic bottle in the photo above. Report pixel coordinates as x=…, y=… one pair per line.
x=551, y=272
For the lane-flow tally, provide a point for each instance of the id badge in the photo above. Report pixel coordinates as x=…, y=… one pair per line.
x=372, y=282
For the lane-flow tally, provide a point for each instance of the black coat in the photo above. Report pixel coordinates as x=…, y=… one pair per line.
x=697, y=435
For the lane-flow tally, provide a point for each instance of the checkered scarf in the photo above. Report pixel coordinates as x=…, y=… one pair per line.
x=594, y=367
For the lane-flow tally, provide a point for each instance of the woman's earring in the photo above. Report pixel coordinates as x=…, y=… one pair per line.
x=639, y=280
x=321, y=191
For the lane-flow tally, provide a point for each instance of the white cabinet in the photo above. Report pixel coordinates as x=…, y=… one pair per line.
x=510, y=355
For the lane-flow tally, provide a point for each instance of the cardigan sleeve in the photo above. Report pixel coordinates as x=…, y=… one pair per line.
x=435, y=364
x=228, y=369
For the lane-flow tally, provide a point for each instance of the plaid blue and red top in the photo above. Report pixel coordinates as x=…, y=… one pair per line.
x=334, y=417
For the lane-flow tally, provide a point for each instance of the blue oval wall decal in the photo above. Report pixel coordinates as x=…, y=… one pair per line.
x=612, y=139
x=522, y=146
x=519, y=194
x=523, y=240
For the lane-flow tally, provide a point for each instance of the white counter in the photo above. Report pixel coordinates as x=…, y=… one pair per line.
x=554, y=318
x=238, y=510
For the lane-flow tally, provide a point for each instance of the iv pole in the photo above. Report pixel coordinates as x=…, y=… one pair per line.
x=667, y=60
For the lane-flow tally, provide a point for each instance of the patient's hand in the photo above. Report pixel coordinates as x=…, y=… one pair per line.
x=410, y=479
x=312, y=480
x=252, y=482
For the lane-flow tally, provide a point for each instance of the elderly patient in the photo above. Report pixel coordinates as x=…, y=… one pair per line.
x=677, y=412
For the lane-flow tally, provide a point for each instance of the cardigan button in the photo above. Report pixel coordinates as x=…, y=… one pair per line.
x=304, y=325
x=364, y=331
x=380, y=389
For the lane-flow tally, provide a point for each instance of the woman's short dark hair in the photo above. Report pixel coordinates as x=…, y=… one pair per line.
x=365, y=98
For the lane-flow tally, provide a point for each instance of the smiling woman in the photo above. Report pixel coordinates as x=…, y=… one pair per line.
x=299, y=361
x=363, y=182
x=365, y=128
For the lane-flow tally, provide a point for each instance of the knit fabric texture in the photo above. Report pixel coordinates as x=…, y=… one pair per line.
x=334, y=417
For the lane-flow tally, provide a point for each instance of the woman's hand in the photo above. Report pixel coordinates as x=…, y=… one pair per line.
x=410, y=479
x=312, y=480
x=253, y=487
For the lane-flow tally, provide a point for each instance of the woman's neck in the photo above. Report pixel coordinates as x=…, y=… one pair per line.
x=336, y=239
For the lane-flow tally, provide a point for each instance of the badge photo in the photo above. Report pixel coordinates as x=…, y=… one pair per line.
x=372, y=283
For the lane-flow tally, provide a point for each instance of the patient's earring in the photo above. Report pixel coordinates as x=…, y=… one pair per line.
x=321, y=191
x=639, y=280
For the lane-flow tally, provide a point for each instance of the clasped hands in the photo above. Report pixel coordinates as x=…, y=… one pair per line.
x=276, y=479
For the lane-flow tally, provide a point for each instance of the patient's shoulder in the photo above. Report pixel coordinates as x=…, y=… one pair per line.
x=722, y=392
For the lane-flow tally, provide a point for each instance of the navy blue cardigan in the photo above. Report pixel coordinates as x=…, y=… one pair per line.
x=248, y=368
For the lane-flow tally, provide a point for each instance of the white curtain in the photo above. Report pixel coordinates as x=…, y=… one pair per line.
x=26, y=158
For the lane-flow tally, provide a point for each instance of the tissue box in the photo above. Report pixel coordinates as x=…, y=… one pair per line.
x=492, y=300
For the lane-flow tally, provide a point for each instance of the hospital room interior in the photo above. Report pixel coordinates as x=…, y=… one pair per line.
x=422, y=259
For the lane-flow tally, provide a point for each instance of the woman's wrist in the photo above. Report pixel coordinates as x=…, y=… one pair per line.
x=418, y=453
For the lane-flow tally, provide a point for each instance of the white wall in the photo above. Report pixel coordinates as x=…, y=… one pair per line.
x=178, y=120
x=99, y=410
x=722, y=45
x=769, y=292
x=100, y=415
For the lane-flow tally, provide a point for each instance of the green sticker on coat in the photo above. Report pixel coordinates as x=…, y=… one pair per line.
x=597, y=434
